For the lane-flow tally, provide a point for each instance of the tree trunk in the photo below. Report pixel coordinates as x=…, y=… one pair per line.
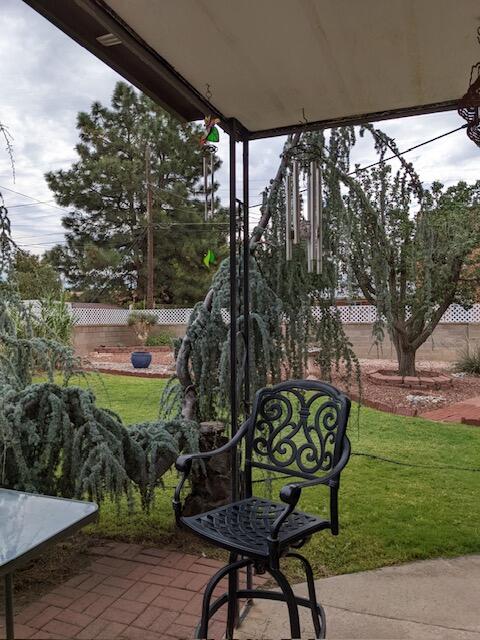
x=405, y=354
x=406, y=362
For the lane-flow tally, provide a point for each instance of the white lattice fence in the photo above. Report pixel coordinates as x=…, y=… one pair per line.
x=456, y=313
x=355, y=314
x=366, y=314
x=120, y=316
x=359, y=314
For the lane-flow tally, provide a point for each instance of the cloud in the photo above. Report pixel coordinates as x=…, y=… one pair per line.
x=47, y=78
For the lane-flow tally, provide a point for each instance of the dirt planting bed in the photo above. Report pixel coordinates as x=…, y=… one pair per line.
x=121, y=355
x=116, y=360
x=412, y=400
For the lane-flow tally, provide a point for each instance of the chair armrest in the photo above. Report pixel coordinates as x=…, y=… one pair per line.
x=183, y=463
x=290, y=493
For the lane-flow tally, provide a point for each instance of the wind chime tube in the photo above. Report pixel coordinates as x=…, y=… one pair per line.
x=319, y=216
x=288, y=217
x=212, y=181
x=295, y=202
x=205, y=184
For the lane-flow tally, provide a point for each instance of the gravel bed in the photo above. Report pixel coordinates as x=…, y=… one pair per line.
x=397, y=397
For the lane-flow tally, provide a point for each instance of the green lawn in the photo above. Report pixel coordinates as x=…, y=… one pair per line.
x=388, y=513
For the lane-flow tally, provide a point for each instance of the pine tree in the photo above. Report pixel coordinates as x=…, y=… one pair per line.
x=105, y=254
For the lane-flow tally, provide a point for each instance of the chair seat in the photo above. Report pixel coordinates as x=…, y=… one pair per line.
x=245, y=526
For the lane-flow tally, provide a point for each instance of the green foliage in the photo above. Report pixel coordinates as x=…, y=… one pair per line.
x=22, y=352
x=49, y=319
x=6, y=243
x=161, y=443
x=208, y=333
x=142, y=322
x=54, y=439
x=469, y=361
x=162, y=339
x=34, y=277
x=106, y=190
x=408, y=249
x=54, y=320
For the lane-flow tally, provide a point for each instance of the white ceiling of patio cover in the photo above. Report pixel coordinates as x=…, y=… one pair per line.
x=266, y=60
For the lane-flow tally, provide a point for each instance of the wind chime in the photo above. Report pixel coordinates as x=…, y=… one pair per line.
x=211, y=134
x=314, y=199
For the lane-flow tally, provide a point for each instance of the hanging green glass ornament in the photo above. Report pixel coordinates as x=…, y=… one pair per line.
x=209, y=258
x=214, y=135
x=211, y=133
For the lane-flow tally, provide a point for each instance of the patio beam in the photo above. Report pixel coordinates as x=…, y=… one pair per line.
x=401, y=112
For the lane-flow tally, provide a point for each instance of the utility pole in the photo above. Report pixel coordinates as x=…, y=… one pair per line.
x=150, y=269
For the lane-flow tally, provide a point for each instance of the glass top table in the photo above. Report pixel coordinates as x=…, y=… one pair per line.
x=29, y=523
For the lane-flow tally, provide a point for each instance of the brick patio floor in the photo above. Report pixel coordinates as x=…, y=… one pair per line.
x=127, y=592
x=467, y=412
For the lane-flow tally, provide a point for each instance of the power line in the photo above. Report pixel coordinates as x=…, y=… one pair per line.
x=29, y=204
x=393, y=157
x=401, y=153
x=38, y=201
x=25, y=239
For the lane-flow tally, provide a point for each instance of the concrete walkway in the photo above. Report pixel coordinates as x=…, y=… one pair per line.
x=433, y=599
x=466, y=412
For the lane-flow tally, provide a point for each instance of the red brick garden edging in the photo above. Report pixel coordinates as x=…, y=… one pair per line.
x=429, y=379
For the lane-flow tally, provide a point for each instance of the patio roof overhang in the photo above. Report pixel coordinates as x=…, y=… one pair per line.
x=274, y=64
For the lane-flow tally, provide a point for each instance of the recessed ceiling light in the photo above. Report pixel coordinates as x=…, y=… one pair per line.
x=109, y=40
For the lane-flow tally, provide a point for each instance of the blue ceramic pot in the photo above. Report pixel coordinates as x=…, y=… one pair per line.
x=141, y=359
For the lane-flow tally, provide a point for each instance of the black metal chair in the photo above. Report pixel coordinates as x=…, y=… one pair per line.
x=297, y=428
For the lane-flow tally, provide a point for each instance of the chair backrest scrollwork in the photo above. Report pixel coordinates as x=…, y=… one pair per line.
x=297, y=428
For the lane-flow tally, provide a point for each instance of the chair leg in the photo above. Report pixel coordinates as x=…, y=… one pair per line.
x=318, y=615
x=289, y=599
x=232, y=611
x=202, y=629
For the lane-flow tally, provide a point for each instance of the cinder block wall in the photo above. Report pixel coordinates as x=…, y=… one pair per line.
x=86, y=338
x=444, y=345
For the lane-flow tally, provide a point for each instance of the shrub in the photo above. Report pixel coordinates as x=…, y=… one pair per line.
x=49, y=318
x=161, y=339
x=54, y=439
x=469, y=361
x=55, y=321
x=142, y=322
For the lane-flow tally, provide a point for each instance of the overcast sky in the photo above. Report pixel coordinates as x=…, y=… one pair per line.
x=46, y=78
